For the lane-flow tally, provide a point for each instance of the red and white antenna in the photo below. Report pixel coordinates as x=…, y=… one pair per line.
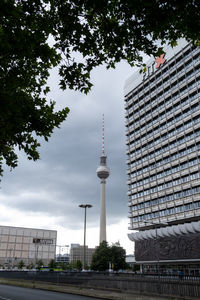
x=103, y=134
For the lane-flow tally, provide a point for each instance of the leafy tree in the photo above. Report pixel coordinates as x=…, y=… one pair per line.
x=52, y=264
x=78, y=265
x=64, y=266
x=118, y=257
x=70, y=266
x=31, y=266
x=40, y=263
x=75, y=265
x=21, y=264
x=37, y=35
x=106, y=254
x=101, y=257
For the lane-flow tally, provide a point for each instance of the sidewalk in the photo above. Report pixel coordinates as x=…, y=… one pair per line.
x=101, y=294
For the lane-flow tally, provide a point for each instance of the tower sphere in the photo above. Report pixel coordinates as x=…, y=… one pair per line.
x=103, y=172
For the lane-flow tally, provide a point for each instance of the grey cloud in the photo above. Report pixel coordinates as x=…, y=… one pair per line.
x=65, y=176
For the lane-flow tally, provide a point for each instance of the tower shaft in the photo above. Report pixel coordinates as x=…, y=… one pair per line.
x=103, y=213
x=103, y=173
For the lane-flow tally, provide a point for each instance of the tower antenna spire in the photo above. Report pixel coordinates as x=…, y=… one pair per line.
x=103, y=134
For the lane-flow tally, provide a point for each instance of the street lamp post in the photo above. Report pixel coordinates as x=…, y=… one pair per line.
x=158, y=247
x=85, y=206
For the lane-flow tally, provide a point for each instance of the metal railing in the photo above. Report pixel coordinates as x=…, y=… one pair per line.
x=171, y=285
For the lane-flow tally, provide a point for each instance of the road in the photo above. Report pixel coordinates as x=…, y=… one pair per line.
x=17, y=293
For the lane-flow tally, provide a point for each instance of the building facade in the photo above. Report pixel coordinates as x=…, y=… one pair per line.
x=63, y=258
x=130, y=260
x=27, y=244
x=76, y=253
x=163, y=139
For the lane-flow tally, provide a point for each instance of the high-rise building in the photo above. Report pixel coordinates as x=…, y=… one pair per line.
x=77, y=253
x=103, y=173
x=163, y=139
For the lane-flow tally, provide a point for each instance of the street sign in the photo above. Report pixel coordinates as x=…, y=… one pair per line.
x=42, y=241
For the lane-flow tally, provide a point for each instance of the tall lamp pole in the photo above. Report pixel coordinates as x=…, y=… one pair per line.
x=85, y=206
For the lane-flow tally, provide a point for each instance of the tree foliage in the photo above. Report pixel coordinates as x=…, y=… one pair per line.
x=21, y=264
x=101, y=257
x=64, y=265
x=76, y=36
x=30, y=266
x=106, y=255
x=52, y=264
x=78, y=265
x=118, y=257
x=39, y=264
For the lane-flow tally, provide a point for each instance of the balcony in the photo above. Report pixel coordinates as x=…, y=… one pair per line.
x=180, y=216
x=197, y=212
x=179, y=202
x=170, y=204
x=196, y=197
x=171, y=218
x=187, y=200
x=189, y=214
x=155, y=208
x=162, y=206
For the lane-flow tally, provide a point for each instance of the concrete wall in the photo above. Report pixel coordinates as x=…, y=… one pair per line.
x=27, y=244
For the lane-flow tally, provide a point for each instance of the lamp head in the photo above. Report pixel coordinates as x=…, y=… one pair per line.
x=85, y=205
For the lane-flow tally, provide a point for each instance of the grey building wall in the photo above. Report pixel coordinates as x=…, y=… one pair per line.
x=76, y=253
x=163, y=147
x=27, y=244
x=163, y=141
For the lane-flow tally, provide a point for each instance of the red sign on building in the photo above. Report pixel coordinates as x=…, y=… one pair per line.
x=160, y=60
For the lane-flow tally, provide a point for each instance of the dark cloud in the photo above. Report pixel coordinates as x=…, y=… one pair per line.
x=65, y=176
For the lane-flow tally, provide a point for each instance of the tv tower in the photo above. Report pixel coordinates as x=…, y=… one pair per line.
x=103, y=173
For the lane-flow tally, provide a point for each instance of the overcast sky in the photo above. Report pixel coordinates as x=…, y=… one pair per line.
x=46, y=194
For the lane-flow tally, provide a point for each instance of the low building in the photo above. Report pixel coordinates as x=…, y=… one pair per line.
x=76, y=253
x=62, y=258
x=27, y=244
x=130, y=260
